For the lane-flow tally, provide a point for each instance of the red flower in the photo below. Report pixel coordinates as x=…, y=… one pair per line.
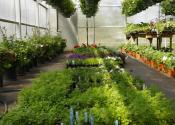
x=76, y=46
x=94, y=45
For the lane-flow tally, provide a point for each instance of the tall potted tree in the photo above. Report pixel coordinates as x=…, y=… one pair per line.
x=89, y=9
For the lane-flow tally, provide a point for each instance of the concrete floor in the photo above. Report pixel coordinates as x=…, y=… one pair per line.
x=152, y=77
x=26, y=81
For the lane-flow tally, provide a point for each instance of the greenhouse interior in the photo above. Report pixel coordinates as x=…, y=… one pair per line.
x=87, y=62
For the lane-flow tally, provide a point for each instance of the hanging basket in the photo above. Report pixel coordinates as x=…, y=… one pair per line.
x=128, y=36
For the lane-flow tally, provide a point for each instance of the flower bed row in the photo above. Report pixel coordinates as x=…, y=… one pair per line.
x=92, y=51
x=164, y=62
x=18, y=56
x=90, y=56
x=106, y=93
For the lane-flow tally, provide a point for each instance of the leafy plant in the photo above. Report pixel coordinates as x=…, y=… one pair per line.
x=66, y=7
x=89, y=7
x=136, y=28
x=132, y=7
x=106, y=95
x=35, y=48
x=168, y=7
x=85, y=62
x=7, y=59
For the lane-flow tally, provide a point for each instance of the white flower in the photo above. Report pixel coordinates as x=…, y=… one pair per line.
x=173, y=58
x=164, y=58
x=122, y=70
x=117, y=67
x=111, y=71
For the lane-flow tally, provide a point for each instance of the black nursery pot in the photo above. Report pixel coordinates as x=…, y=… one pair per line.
x=10, y=74
x=35, y=63
x=27, y=68
x=21, y=71
x=1, y=80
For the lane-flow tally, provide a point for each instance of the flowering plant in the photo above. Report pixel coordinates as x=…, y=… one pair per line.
x=94, y=45
x=7, y=58
x=77, y=56
x=77, y=46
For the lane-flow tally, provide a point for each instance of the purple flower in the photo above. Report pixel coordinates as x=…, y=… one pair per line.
x=77, y=56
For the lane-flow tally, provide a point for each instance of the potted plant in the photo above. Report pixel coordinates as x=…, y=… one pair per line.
x=170, y=66
x=7, y=58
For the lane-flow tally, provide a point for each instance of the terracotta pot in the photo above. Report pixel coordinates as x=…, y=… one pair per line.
x=130, y=53
x=161, y=67
x=152, y=64
x=145, y=60
x=171, y=72
x=142, y=59
x=134, y=54
x=155, y=65
x=137, y=56
x=149, y=62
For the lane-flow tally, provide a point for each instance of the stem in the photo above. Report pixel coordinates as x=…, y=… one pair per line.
x=94, y=30
x=87, y=31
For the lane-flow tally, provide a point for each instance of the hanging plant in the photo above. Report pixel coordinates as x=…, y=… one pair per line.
x=132, y=7
x=89, y=7
x=168, y=7
x=66, y=7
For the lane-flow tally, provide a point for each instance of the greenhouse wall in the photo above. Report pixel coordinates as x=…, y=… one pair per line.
x=21, y=20
x=109, y=25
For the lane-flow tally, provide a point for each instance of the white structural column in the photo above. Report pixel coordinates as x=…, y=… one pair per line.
x=47, y=19
x=18, y=18
x=37, y=15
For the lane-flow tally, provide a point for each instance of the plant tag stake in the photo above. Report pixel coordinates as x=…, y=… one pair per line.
x=144, y=86
x=76, y=115
x=62, y=124
x=73, y=62
x=86, y=117
x=116, y=122
x=92, y=120
x=71, y=116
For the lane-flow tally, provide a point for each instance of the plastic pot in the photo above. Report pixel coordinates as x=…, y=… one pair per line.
x=10, y=74
x=1, y=80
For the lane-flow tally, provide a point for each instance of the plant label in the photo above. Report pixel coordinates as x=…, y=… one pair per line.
x=76, y=115
x=71, y=116
x=86, y=117
x=116, y=122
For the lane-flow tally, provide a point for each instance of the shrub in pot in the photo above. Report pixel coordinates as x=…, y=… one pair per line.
x=7, y=58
